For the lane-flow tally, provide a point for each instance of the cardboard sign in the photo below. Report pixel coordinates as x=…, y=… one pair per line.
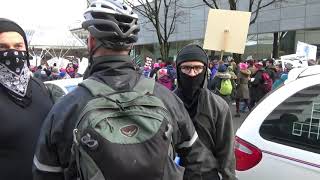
x=306, y=50
x=227, y=30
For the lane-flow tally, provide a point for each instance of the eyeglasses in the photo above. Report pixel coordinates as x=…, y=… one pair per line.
x=187, y=69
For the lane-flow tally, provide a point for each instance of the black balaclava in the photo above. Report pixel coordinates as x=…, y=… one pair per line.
x=189, y=87
x=14, y=66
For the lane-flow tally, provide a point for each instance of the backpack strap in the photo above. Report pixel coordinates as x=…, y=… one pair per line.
x=96, y=88
x=145, y=86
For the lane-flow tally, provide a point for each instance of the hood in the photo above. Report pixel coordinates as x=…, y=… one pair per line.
x=245, y=72
x=224, y=75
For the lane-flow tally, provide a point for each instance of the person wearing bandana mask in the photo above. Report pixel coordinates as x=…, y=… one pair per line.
x=24, y=104
x=210, y=114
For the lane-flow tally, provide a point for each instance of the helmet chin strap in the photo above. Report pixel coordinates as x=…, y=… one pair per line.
x=91, y=53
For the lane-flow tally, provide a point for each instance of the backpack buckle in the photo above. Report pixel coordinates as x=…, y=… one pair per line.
x=89, y=142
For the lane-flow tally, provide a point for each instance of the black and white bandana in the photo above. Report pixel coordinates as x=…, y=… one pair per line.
x=14, y=72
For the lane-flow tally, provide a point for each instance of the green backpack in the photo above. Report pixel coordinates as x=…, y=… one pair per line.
x=122, y=135
x=226, y=87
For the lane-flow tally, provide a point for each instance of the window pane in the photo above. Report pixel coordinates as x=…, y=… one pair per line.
x=296, y=122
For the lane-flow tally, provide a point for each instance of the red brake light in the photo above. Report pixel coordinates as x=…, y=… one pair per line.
x=247, y=155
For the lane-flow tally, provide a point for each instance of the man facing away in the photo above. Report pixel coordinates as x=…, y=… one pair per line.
x=24, y=104
x=117, y=125
x=210, y=114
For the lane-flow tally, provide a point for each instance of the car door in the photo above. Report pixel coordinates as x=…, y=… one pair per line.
x=285, y=127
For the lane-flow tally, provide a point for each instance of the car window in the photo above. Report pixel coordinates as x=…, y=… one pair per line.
x=296, y=121
x=55, y=91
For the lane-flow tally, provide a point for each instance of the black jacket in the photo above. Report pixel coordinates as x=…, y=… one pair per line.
x=213, y=122
x=54, y=147
x=272, y=72
x=214, y=125
x=257, y=91
x=19, y=130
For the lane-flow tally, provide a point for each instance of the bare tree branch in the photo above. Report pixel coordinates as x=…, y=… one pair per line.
x=233, y=5
x=256, y=12
x=162, y=14
x=250, y=5
x=213, y=6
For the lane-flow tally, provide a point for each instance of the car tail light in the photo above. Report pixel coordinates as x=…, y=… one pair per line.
x=247, y=155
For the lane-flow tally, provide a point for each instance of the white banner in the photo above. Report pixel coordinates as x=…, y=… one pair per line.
x=306, y=50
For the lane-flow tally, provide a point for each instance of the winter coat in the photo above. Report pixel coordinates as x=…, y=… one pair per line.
x=242, y=89
x=232, y=73
x=257, y=91
x=280, y=81
x=213, y=70
x=213, y=122
x=54, y=146
x=272, y=72
x=19, y=131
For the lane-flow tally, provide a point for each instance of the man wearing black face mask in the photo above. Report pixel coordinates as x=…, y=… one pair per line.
x=210, y=114
x=24, y=103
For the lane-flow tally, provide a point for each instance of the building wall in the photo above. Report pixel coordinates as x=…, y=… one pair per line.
x=290, y=15
x=287, y=16
x=299, y=16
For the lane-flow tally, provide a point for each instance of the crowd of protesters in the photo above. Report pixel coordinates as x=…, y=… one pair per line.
x=49, y=73
x=244, y=84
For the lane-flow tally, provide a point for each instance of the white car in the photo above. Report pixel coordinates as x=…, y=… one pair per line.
x=61, y=87
x=280, y=138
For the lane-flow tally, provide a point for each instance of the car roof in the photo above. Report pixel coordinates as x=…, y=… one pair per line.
x=66, y=82
x=297, y=73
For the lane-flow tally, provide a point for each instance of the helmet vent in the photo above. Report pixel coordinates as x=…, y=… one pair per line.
x=107, y=7
x=123, y=19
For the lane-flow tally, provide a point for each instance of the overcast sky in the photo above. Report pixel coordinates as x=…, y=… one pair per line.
x=33, y=13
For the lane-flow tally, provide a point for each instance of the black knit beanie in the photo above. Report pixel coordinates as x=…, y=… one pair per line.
x=7, y=25
x=192, y=52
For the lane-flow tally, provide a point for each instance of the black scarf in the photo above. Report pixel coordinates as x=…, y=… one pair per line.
x=189, y=89
x=15, y=77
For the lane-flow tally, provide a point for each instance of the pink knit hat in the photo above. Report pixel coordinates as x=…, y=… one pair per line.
x=156, y=65
x=243, y=66
x=162, y=72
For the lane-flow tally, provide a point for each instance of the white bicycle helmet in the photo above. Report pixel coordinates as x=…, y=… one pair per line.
x=112, y=22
